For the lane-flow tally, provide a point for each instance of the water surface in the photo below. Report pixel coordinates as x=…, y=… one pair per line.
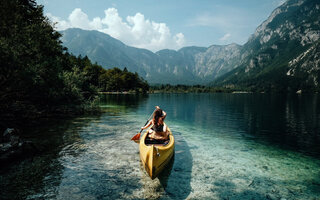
x=228, y=146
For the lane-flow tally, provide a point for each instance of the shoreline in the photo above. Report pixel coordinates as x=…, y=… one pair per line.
x=207, y=92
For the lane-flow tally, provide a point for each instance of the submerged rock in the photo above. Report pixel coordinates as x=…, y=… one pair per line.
x=12, y=147
x=8, y=134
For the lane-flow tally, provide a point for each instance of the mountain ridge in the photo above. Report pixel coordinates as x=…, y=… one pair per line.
x=164, y=66
x=289, y=31
x=262, y=62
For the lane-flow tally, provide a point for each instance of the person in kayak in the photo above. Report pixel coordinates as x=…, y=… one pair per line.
x=158, y=131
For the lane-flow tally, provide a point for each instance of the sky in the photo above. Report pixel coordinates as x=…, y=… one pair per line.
x=164, y=24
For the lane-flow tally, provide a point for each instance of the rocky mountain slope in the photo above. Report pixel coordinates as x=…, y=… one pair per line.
x=282, y=54
x=306, y=67
x=282, y=50
x=189, y=65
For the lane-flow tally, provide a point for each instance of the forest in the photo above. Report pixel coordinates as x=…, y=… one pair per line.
x=167, y=88
x=39, y=77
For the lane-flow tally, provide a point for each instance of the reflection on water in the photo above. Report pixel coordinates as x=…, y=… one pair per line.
x=228, y=146
x=178, y=184
x=37, y=177
x=290, y=121
x=126, y=101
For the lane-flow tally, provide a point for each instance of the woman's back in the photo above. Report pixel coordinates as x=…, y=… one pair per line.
x=157, y=128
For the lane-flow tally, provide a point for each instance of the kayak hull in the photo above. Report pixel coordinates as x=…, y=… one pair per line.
x=156, y=157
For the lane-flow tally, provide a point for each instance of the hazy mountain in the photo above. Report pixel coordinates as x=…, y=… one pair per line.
x=216, y=61
x=189, y=65
x=282, y=53
x=105, y=50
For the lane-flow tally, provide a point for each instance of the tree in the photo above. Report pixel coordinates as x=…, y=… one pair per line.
x=35, y=69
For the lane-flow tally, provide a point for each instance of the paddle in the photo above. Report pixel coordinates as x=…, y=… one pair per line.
x=137, y=136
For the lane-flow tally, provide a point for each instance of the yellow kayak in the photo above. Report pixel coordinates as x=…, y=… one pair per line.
x=155, y=157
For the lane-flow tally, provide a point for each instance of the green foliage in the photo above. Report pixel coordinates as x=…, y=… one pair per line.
x=188, y=89
x=115, y=79
x=31, y=54
x=38, y=73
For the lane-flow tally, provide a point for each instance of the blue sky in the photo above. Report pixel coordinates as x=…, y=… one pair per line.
x=172, y=24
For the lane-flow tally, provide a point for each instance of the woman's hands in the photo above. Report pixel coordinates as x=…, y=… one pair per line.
x=147, y=125
x=157, y=107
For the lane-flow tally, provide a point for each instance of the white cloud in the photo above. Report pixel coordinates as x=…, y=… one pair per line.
x=59, y=24
x=225, y=37
x=179, y=39
x=135, y=31
x=79, y=19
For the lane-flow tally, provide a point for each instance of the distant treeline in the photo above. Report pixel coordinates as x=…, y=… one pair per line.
x=37, y=74
x=167, y=88
x=108, y=80
x=115, y=79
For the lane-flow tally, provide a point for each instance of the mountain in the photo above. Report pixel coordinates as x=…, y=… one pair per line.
x=306, y=67
x=105, y=50
x=283, y=53
x=217, y=60
x=189, y=65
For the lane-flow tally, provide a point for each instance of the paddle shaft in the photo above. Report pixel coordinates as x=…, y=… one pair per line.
x=137, y=136
x=147, y=121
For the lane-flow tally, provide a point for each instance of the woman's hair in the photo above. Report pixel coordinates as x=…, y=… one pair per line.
x=157, y=120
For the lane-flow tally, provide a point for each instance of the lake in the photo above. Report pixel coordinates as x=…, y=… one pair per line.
x=228, y=146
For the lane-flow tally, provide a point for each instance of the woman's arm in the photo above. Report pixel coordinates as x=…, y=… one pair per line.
x=146, y=126
x=164, y=114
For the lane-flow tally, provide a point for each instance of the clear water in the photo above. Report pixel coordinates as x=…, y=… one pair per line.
x=228, y=146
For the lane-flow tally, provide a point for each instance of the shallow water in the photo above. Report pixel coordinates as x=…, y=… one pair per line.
x=228, y=146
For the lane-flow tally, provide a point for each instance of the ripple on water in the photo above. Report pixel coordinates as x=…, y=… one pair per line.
x=227, y=167
x=96, y=160
x=208, y=164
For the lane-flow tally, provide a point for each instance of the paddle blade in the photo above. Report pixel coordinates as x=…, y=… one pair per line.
x=136, y=141
x=136, y=137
